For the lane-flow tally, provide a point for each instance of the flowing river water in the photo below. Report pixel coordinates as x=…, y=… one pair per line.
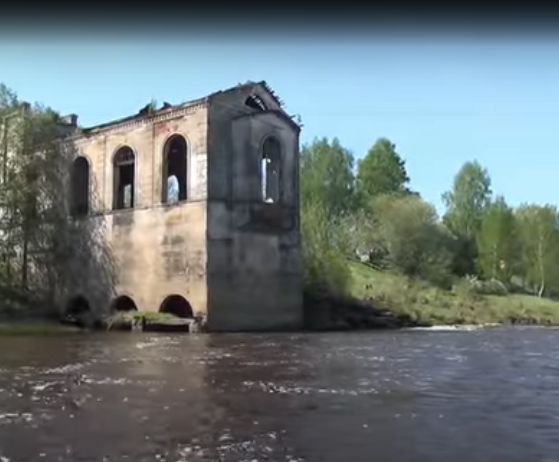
x=484, y=395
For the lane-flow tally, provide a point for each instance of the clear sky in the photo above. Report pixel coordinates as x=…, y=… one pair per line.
x=443, y=101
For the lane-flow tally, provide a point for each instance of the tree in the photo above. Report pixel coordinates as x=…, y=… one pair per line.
x=39, y=245
x=381, y=171
x=416, y=244
x=496, y=241
x=33, y=213
x=327, y=177
x=324, y=257
x=326, y=173
x=539, y=236
x=466, y=201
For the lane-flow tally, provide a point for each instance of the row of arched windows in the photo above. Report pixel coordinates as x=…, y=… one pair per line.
x=175, y=167
x=174, y=187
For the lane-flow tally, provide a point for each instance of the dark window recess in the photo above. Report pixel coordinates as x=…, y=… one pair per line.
x=79, y=200
x=255, y=102
x=124, y=178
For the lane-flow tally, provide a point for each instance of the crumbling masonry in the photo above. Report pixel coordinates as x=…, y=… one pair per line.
x=200, y=208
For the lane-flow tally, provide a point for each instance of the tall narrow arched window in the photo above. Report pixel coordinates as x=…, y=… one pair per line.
x=271, y=170
x=124, y=171
x=175, y=156
x=79, y=179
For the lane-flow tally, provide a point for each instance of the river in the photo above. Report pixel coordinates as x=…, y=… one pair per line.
x=484, y=395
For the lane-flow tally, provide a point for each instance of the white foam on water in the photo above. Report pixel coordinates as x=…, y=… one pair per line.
x=443, y=328
x=43, y=386
x=65, y=369
x=273, y=388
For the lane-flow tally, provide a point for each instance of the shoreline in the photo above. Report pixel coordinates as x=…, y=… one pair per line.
x=323, y=312
x=49, y=328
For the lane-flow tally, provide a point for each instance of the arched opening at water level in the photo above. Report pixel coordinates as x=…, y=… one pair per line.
x=77, y=306
x=177, y=305
x=124, y=303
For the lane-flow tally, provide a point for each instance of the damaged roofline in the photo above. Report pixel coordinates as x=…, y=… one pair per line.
x=141, y=115
x=147, y=112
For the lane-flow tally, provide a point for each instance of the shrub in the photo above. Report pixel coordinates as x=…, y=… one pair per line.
x=324, y=259
x=478, y=286
x=416, y=244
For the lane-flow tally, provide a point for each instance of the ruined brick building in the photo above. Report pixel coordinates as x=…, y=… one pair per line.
x=200, y=208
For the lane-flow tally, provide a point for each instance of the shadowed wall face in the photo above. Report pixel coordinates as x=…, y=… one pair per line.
x=254, y=252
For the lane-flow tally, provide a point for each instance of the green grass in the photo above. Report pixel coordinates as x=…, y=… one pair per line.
x=426, y=303
x=149, y=315
x=129, y=316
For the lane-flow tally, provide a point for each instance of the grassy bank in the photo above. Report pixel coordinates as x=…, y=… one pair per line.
x=35, y=328
x=150, y=316
x=429, y=304
x=117, y=321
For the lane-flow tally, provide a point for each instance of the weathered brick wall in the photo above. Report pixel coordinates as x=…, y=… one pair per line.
x=158, y=249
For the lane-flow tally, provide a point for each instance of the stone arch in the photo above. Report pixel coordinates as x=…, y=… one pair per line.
x=270, y=169
x=175, y=169
x=123, y=303
x=79, y=179
x=77, y=306
x=177, y=305
x=124, y=178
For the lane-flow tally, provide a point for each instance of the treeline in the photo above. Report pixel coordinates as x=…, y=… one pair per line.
x=40, y=248
x=367, y=211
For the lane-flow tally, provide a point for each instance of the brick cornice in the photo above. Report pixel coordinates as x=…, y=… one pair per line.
x=132, y=124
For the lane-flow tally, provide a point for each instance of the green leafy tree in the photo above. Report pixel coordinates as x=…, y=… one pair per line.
x=415, y=243
x=465, y=203
x=324, y=254
x=40, y=246
x=538, y=228
x=381, y=171
x=496, y=241
x=327, y=179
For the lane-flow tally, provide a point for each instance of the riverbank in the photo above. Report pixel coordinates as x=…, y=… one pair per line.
x=125, y=321
x=377, y=300
x=35, y=327
x=424, y=304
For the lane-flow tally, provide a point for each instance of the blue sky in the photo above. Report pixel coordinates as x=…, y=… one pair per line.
x=443, y=101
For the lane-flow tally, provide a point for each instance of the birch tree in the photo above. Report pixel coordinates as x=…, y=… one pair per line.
x=539, y=233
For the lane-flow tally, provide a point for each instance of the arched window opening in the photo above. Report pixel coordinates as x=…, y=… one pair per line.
x=79, y=178
x=124, y=303
x=77, y=306
x=174, y=170
x=255, y=102
x=124, y=178
x=177, y=305
x=271, y=170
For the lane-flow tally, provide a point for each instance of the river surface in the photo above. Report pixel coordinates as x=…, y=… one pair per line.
x=488, y=395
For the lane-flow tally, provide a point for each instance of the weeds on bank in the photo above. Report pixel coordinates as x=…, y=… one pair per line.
x=461, y=305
